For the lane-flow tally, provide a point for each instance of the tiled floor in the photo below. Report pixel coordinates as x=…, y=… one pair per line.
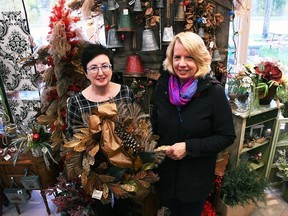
x=275, y=206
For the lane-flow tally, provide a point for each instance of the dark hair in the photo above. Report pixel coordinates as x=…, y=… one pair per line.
x=90, y=51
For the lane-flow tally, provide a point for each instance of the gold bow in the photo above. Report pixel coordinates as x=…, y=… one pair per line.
x=110, y=143
x=101, y=120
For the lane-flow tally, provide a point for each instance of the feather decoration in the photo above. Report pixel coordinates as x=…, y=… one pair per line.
x=62, y=86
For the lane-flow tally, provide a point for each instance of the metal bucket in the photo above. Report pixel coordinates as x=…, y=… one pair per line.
x=148, y=41
x=168, y=34
x=134, y=64
x=125, y=21
x=112, y=39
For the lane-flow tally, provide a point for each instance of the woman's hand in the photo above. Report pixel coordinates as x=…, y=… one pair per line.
x=177, y=151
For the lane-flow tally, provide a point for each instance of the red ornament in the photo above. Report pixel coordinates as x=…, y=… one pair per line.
x=122, y=37
x=36, y=137
x=186, y=3
x=107, y=27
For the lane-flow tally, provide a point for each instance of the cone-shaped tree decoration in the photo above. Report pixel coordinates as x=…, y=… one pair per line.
x=64, y=75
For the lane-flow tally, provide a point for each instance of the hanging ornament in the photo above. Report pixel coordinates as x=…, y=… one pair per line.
x=122, y=37
x=36, y=137
x=107, y=27
x=103, y=7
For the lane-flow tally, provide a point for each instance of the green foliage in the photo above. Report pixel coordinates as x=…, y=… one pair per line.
x=282, y=165
x=241, y=186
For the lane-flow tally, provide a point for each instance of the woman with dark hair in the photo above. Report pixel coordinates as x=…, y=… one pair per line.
x=97, y=64
x=193, y=118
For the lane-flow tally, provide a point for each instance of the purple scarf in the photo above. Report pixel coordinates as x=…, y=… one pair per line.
x=180, y=95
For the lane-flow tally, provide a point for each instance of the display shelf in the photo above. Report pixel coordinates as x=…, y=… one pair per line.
x=254, y=147
x=252, y=126
x=280, y=140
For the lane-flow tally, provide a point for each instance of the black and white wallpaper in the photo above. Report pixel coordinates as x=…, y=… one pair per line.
x=18, y=80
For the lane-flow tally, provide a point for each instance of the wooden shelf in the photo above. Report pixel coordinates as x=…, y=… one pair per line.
x=254, y=147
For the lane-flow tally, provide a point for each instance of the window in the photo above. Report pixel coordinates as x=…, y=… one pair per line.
x=259, y=30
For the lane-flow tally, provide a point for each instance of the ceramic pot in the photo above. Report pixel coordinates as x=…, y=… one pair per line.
x=265, y=100
x=238, y=210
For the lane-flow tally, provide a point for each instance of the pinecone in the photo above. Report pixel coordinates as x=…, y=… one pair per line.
x=130, y=144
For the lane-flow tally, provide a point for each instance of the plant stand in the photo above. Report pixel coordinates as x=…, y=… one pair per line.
x=236, y=210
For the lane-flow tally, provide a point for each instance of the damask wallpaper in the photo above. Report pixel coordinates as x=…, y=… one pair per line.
x=15, y=46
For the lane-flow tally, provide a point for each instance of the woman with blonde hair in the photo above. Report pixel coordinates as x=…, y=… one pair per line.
x=193, y=118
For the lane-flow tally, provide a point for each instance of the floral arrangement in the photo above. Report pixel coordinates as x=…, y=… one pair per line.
x=113, y=153
x=260, y=79
x=36, y=140
x=282, y=165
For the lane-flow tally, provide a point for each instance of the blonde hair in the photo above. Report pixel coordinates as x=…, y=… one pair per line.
x=196, y=47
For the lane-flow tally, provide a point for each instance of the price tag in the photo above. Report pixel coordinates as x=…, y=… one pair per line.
x=131, y=2
x=7, y=157
x=97, y=194
x=125, y=11
x=211, y=45
x=204, y=20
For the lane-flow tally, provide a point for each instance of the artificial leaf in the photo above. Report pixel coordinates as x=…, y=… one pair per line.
x=84, y=178
x=128, y=187
x=148, y=166
x=106, y=178
x=138, y=163
x=145, y=184
x=118, y=191
x=94, y=150
x=79, y=135
x=43, y=119
x=105, y=191
x=140, y=175
x=149, y=11
x=72, y=143
x=90, y=182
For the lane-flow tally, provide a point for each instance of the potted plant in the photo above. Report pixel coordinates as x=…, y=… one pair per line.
x=282, y=166
x=241, y=190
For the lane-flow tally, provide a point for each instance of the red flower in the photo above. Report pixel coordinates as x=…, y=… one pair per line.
x=269, y=71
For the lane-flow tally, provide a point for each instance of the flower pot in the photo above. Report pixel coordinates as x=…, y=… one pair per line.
x=37, y=152
x=265, y=100
x=285, y=191
x=238, y=210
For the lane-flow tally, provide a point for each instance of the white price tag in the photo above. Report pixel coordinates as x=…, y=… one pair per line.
x=97, y=194
x=211, y=45
x=7, y=157
x=125, y=11
x=204, y=21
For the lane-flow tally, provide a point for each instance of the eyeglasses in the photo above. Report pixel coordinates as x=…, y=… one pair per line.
x=95, y=69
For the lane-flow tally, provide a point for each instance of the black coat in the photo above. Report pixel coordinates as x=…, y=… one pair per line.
x=206, y=127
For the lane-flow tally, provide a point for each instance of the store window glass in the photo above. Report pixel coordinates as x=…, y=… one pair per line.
x=268, y=35
x=266, y=29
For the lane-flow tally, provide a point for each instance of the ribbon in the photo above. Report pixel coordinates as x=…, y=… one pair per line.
x=110, y=143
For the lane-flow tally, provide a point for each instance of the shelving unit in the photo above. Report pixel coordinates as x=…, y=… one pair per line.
x=255, y=134
x=280, y=141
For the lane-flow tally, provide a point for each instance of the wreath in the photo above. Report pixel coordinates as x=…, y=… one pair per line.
x=114, y=154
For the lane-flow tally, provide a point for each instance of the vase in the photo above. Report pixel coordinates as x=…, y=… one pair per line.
x=37, y=152
x=266, y=100
x=232, y=98
x=243, y=102
x=285, y=191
